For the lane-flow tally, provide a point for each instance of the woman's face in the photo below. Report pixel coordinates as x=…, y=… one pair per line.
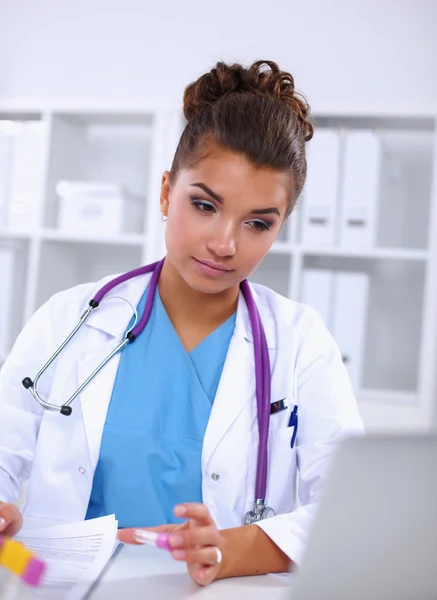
x=223, y=216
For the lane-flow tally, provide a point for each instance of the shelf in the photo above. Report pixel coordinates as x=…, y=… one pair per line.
x=281, y=247
x=65, y=263
x=392, y=122
x=125, y=239
x=107, y=117
x=100, y=147
x=11, y=234
x=14, y=271
x=395, y=279
x=18, y=114
x=379, y=326
x=275, y=273
x=386, y=397
x=24, y=106
x=330, y=115
x=369, y=253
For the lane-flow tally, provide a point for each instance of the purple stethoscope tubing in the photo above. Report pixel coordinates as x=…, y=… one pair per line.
x=262, y=362
x=262, y=387
x=262, y=369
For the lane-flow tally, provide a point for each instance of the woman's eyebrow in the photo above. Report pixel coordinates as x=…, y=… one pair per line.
x=209, y=191
x=265, y=211
x=219, y=199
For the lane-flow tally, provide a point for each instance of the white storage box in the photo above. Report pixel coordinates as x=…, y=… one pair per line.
x=98, y=208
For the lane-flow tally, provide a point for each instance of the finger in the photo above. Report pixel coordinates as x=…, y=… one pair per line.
x=195, y=536
x=10, y=528
x=194, y=510
x=127, y=536
x=10, y=519
x=206, y=556
x=203, y=575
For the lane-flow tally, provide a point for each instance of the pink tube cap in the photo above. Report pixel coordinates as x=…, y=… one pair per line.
x=34, y=572
x=162, y=541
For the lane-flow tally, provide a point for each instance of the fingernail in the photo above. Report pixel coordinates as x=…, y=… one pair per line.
x=176, y=540
x=180, y=511
x=143, y=536
x=200, y=575
x=179, y=554
x=2, y=524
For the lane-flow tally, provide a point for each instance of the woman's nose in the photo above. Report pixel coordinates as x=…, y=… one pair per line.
x=223, y=242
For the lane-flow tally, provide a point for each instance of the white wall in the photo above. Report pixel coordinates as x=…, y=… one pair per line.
x=346, y=55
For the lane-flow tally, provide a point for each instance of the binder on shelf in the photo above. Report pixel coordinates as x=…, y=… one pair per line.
x=317, y=290
x=5, y=161
x=361, y=176
x=349, y=321
x=321, y=191
x=7, y=257
x=21, y=171
x=26, y=173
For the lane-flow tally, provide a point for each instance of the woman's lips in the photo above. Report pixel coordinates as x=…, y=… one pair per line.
x=211, y=268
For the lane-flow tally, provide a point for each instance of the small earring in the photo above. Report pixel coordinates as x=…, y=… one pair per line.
x=164, y=217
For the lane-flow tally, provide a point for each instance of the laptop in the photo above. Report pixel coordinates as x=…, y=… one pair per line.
x=375, y=534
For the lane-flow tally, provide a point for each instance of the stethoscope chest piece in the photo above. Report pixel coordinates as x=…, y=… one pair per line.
x=259, y=513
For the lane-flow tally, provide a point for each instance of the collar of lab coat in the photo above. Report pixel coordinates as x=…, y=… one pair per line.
x=116, y=309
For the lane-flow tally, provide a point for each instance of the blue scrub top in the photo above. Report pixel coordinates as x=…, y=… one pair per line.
x=150, y=455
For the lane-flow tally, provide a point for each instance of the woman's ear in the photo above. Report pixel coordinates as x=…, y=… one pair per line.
x=165, y=193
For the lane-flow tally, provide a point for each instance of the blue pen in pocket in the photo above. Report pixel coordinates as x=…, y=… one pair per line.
x=293, y=422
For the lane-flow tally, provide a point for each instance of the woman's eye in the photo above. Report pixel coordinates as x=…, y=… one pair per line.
x=260, y=225
x=202, y=206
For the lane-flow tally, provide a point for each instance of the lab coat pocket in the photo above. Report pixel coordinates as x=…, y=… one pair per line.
x=281, y=472
x=281, y=418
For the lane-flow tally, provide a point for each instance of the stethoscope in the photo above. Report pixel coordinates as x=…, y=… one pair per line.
x=262, y=372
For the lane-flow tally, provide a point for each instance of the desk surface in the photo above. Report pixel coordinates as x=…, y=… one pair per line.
x=146, y=572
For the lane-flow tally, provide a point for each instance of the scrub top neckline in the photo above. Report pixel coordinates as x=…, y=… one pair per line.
x=228, y=324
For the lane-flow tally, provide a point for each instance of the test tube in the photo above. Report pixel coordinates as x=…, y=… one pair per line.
x=20, y=570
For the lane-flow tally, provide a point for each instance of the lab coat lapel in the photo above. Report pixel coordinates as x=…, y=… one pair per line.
x=237, y=384
x=106, y=327
x=96, y=396
x=236, y=388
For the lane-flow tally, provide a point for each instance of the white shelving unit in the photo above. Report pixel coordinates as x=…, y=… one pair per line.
x=133, y=146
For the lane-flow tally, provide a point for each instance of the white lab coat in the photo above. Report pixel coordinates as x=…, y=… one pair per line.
x=59, y=454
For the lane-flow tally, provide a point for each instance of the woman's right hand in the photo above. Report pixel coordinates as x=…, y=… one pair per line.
x=11, y=520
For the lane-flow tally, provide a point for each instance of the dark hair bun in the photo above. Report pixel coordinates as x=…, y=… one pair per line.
x=263, y=78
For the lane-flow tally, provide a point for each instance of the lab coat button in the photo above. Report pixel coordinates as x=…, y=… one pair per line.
x=82, y=471
x=215, y=476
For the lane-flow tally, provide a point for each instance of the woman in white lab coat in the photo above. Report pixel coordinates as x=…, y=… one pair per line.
x=166, y=435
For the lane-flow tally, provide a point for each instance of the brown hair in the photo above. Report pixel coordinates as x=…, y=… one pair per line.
x=254, y=112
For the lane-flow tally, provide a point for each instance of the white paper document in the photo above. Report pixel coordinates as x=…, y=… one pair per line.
x=76, y=555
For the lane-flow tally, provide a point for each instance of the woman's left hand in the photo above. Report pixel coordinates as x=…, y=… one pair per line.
x=196, y=542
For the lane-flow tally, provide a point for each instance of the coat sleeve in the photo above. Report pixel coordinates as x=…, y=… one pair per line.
x=20, y=414
x=327, y=413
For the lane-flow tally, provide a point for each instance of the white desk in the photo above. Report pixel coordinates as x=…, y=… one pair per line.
x=146, y=572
